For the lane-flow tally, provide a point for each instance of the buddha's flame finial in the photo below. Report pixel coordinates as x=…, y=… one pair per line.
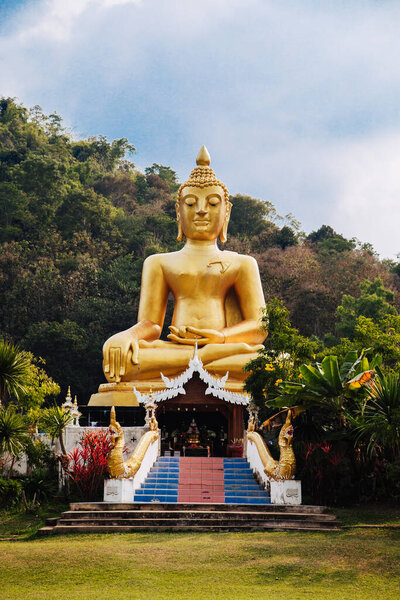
x=203, y=158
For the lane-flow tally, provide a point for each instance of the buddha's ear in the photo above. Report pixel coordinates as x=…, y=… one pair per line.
x=178, y=218
x=223, y=236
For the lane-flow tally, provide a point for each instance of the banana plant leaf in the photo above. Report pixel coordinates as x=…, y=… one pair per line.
x=331, y=372
x=314, y=378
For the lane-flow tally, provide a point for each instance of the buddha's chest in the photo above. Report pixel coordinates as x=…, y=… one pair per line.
x=206, y=276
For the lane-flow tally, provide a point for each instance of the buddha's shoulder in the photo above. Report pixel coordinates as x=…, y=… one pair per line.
x=160, y=259
x=239, y=259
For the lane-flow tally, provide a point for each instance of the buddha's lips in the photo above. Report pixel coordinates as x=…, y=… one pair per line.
x=201, y=222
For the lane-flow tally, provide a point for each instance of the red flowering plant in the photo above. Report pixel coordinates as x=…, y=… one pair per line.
x=87, y=464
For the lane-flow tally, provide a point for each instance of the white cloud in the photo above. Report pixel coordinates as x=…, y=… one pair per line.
x=55, y=19
x=368, y=204
x=297, y=101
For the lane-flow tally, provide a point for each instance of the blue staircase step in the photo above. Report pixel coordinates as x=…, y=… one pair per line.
x=240, y=487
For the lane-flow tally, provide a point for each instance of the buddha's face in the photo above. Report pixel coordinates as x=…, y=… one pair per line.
x=202, y=212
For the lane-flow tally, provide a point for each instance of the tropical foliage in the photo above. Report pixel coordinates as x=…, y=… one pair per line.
x=54, y=420
x=348, y=427
x=13, y=434
x=86, y=466
x=377, y=421
x=14, y=371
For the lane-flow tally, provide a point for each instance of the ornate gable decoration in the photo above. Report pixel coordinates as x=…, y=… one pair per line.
x=215, y=386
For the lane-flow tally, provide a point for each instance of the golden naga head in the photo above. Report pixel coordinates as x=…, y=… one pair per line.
x=115, y=430
x=203, y=208
x=251, y=424
x=286, y=433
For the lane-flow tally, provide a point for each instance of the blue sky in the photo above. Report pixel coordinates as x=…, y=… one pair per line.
x=297, y=101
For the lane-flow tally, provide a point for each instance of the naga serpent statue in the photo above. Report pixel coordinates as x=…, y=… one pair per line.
x=117, y=466
x=285, y=467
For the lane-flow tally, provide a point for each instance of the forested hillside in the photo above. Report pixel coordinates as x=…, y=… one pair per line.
x=77, y=219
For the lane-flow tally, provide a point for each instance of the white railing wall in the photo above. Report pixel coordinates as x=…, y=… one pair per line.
x=153, y=451
x=255, y=461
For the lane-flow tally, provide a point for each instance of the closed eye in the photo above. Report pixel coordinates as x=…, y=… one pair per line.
x=214, y=200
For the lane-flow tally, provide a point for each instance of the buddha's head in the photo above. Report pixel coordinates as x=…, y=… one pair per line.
x=203, y=208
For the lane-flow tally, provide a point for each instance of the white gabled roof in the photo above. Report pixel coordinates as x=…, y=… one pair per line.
x=174, y=387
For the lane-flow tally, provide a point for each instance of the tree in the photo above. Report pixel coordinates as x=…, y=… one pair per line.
x=61, y=345
x=39, y=386
x=374, y=302
x=166, y=174
x=284, y=350
x=14, y=371
x=13, y=434
x=330, y=242
x=54, y=420
x=286, y=237
x=249, y=216
x=377, y=420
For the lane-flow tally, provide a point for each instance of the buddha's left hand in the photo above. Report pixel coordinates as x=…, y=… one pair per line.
x=191, y=335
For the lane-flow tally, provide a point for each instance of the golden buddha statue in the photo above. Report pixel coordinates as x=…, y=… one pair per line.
x=217, y=293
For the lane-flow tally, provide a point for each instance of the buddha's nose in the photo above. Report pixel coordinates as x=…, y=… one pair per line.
x=201, y=208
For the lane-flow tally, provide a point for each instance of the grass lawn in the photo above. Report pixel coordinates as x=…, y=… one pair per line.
x=360, y=564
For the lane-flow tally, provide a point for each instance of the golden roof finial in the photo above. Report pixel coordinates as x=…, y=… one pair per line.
x=76, y=400
x=203, y=158
x=68, y=396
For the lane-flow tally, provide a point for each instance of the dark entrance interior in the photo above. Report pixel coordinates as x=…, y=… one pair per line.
x=191, y=432
x=198, y=424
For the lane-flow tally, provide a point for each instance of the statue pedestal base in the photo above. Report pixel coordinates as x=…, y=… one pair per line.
x=287, y=491
x=122, y=394
x=119, y=490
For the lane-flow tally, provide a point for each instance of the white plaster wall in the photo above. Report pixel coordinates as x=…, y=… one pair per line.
x=72, y=436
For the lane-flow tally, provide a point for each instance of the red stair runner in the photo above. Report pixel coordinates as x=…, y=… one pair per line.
x=201, y=480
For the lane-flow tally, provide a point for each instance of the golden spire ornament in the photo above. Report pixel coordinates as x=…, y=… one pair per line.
x=202, y=175
x=203, y=158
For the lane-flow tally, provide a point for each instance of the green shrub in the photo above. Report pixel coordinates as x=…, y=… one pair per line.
x=10, y=492
x=40, y=486
x=40, y=456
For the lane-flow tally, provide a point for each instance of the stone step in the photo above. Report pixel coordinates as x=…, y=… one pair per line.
x=100, y=506
x=88, y=517
x=191, y=488
x=192, y=514
x=189, y=522
x=212, y=498
x=193, y=527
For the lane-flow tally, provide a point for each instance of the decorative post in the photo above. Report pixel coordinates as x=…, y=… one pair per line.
x=72, y=408
x=150, y=407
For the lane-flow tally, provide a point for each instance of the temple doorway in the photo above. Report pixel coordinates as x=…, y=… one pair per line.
x=198, y=424
x=193, y=432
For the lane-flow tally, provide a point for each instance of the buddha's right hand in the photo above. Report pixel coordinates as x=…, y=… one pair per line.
x=118, y=351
